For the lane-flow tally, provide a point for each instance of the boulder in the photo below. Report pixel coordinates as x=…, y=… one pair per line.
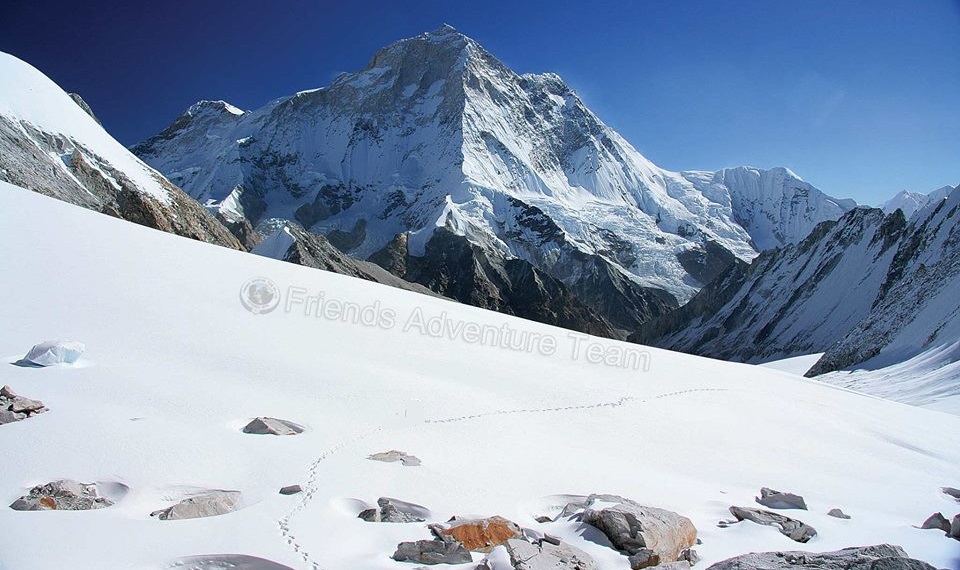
x=63, y=495
x=21, y=405
x=633, y=528
x=432, y=552
x=478, y=535
x=937, y=521
x=53, y=352
x=779, y=500
x=955, y=493
x=837, y=513
x=8, y=417
x=14, y=408
x=272, y=426
x=209, y=504
x=7, y=393
x=955, y=527
x=791, y=528
x=878, y=557
x=546, y=555
x=393, y=456
x=291, y=490
x=393, y=511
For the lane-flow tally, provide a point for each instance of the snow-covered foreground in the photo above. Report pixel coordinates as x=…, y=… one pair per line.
x=175, y=366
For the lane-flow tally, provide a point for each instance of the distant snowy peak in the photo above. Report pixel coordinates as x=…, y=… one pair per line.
x=775, y=206
x=911, y=202
x=436, y=133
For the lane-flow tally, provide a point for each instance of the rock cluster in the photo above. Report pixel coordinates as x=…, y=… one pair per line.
x=63, y=495
x=547, y=554
x=14, y=408
x=432, y=552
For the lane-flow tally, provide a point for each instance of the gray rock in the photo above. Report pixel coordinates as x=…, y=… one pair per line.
x=393, y=456
x=837, y=513
x=8, y=417
x=955, y=493
x=791, y=528
x=272, y=426
x=577, y=507
x=644, y=558
x=393, y=511
x=937, y=521
x=7, y=393
x=21, y=405
x=432, y=552
x=955, y=527
x=678, y=565
x=546, y=555
x=878, y=557
x=779, y=500
x=632, y=528
x=224, y=561
x=209, y=504
x=63, y=495
x=291, y=490
x=543, y=519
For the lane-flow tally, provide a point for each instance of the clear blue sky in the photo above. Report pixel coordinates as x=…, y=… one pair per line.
x=862, y=99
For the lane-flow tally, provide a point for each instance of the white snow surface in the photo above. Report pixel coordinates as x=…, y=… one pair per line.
x=54, y=352
x=29, y=97
x=177, y=367
x=795, y=365
x=912, y=202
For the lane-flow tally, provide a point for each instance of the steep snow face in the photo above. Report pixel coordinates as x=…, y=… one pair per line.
x=175, y=366
x=436, y=132
x=51, y=143
x=911, y=202
x=37, y=108
x=775, y=206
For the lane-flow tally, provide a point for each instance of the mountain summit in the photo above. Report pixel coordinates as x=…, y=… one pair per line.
x=437, y=142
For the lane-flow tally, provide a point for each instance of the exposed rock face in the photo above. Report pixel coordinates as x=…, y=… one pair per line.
x=393, y=456
x=83, y=105
x=546, y=555
x=63, y=495
x=14, y=408
x=778, y=500
x=837, y=513
x=937, y=521
x=479, y=535
x=209, y=504
x=288, y=241
x=393, y=511
x=791, y=528
x=649, y=532
x=879, y=557
x=432, y=552
x=272, y=426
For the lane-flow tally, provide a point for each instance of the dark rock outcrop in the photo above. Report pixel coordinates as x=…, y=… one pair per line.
x=432, y=552
x=791, y=528
x=878, y=557
x=779, y=500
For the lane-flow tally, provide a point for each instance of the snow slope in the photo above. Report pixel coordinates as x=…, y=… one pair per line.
x=436, y=132
x=175, y=366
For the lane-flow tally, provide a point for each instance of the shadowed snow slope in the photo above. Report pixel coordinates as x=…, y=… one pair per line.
x=175, y=365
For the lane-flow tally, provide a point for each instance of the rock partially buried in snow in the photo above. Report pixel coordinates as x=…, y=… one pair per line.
x=837, y=513
x=647, y=532
x=394, y=456
x=478, y=535
x=393, y=511
x=878, y=557
x=291, y=490
x=791, y=528
x=937, y=521
x=272, y=426
x=63, y=495
x=432, y=552
x=547, y=555
x=779, y=500
x=209, y=504
x=955, y=527
x=226, y=561
x=955, y=493
x=54, y=352
x=14, y=408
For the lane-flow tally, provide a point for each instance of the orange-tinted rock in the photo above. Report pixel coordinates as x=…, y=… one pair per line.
x=482, y=535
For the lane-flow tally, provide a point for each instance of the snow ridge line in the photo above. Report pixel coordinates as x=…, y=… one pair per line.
x=311, y=487
x=615, y=404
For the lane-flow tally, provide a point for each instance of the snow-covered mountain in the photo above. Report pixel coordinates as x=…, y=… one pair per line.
x=871, y=290
x=437, y=133
x=911, y=202
x=51, y=143
x=175, y=366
